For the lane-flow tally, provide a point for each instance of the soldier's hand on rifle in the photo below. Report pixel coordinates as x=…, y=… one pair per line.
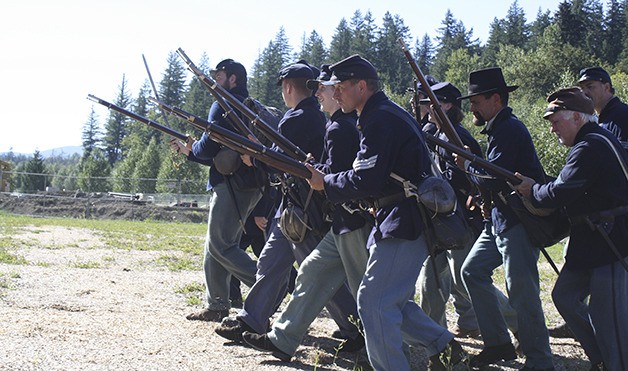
x=525, y=187
x=317, y=180
x=179, y=147
x=461, y=162
x=246, y=159
x=189, y=142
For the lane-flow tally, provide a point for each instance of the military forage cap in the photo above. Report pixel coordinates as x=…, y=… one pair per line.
x=231, y=67
x=353, y=67
x=445, y=92
x=298, y=70
x=569, y=99
x=325, y=75
x=595, y=74
x=429, y=79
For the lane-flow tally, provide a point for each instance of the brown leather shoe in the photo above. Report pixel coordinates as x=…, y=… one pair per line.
x=208, y=315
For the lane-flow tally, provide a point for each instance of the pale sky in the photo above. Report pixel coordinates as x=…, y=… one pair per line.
x=56, y=52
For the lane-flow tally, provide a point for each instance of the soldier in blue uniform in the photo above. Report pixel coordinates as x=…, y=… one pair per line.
x=391, y=143
x=230, y=204
x=304, y=125
x=445, y=267
x=341, y=255
x=612, y=113
x=593, y=187
x=504, y=241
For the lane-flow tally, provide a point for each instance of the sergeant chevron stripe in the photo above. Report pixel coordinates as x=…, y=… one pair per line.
x=364, y=164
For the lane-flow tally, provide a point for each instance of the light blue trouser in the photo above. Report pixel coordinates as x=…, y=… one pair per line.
x=513, y=250
x=223, y=256
x=336, y=259
x=434, y=304
x=601, y=326
x=444, y=270
x=387, y=309
x=273, y=272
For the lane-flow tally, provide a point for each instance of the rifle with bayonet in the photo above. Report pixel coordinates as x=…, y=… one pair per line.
x=226, y=99
x=219, y=134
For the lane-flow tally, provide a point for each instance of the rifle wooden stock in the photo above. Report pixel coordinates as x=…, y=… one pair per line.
x=240, y=143
x=443, y=120
x=475, y=160
x=222, y=95
x=136, y=117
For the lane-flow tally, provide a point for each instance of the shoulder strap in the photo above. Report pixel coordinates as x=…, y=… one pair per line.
x=622, y=163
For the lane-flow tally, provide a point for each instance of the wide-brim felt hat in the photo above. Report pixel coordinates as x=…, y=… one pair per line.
x=488, y=80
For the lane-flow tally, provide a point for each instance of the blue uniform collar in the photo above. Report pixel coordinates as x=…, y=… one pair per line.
x=501, y=115
x=587, y=128
x=373, y=101
x=612, y=103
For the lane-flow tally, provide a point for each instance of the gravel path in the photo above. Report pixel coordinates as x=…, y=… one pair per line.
x=124, y=313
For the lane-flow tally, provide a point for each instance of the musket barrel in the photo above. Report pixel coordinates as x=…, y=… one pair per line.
x=222, y=95
x=149, y=122
x=240, y=143
x=443, y=119
x=486, y=165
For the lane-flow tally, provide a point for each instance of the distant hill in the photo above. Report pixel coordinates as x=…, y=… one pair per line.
x=61, y=151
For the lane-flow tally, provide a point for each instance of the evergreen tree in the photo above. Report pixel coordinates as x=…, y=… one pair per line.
x=147, y=168
x=516, y=29
x=271, y=60
x=537, y=28
x=496, y=39
x=117, y=126
x=197, y=98
x=363, y=35
x=177, y=174
x=340, y=46
x=424, y=54
x=141, y=104
x=313, y=50
x=615, y=30
x=461, y=63
x=453, y=35
x=142, y=107
x=94, y=171
x=123, y=171
x=91, y=133
x=172, y=88
x=35, y=180
x=538, y=72
x=391, y=64
x=591, y=13
x=571, y=25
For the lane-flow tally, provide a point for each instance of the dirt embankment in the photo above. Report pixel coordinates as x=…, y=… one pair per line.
x=98, y=206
